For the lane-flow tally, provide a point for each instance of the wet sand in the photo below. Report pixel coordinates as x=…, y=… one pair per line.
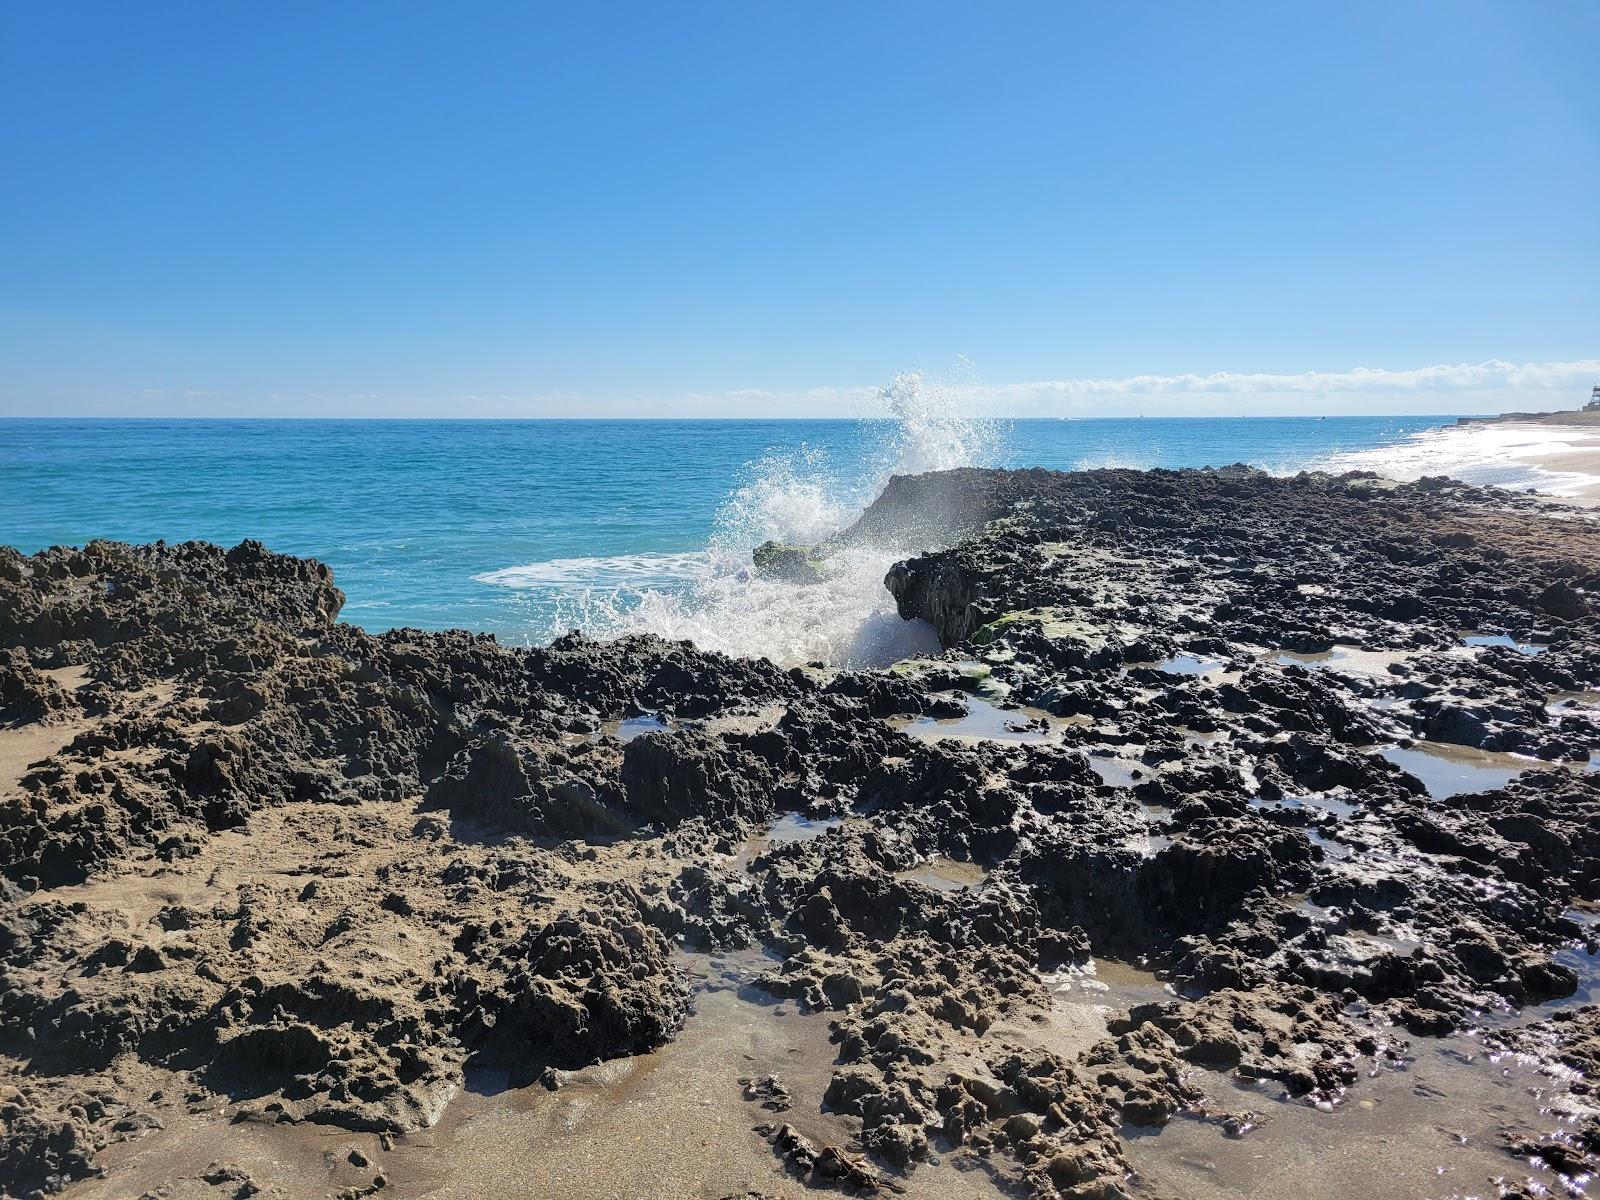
x=1434, y=1129
x=669, y=1123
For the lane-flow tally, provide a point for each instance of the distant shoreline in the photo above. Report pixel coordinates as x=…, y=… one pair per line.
x=1567, y=417
x=1566, y=462
x=1545, y=452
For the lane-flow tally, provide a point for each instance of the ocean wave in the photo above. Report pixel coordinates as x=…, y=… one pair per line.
x=714, y=598
x=615, y=570
x=845, y=619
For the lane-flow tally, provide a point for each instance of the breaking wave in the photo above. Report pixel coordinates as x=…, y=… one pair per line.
x=616, y=570
x=714, y=598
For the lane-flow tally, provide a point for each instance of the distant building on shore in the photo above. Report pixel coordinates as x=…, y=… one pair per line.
x=1594, y=400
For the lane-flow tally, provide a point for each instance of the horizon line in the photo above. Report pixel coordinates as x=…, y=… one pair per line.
x=686, y=420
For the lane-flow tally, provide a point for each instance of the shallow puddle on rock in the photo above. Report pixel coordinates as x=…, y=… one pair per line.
x=1108, y=982
x=985, y=721
x=1313, y=801
x=1332, y=847
x=739, y=721
x=1479, y=640
x=764, y=717
x=1577, y=957
x=790, y=827
x=1583, y=706
x=1360, y=945
x=1342, y=658
x=1319, y=806
x=1115, y=771
x=1447, y=770
x=1202, y=737
x=946, y=874
x=797, y=827
x=1083, y=998
x=631, y=727
x=1571, y=700
x=1366, y=944
x=1586, y=965
x=1149, y=843
x=1213, y=671
x=1431, y=1130
x=1189, y=664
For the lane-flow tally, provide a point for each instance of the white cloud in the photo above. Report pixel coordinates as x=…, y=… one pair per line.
x=1494, y=385
x=1493, y=375
x=1445, y=388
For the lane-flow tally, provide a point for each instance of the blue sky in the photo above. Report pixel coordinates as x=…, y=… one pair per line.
x=770, y=209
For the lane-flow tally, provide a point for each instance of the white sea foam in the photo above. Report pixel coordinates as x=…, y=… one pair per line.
x=715, y=599
x=1118, y=460
x=847, y=619
x=1502, y=455
x=618, y=570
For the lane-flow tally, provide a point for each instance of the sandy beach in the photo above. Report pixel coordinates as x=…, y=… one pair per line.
x=1563, y=450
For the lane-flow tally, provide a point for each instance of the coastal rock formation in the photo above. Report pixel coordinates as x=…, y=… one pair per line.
x=1305, y=760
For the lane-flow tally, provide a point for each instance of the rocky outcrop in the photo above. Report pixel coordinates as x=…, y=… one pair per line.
x=262, y=867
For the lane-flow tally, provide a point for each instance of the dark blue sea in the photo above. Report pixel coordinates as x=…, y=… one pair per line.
x=526, y=528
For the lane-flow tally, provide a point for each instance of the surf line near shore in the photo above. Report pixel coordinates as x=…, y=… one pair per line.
x=843, y=616
x=1544, y=456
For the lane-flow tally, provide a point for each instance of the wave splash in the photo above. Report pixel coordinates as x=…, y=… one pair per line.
x=714, y=598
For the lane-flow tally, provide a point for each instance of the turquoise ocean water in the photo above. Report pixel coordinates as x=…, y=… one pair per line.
x=524, y=528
